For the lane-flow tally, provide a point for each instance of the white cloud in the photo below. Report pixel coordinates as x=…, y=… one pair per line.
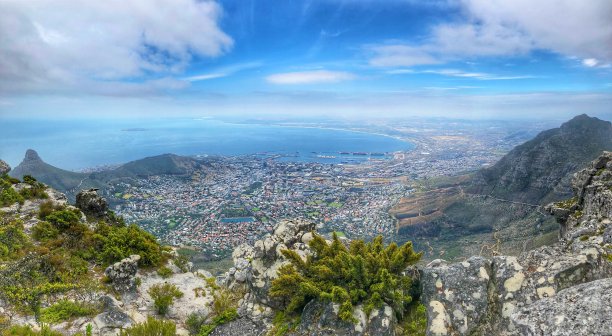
x=72, y=42
x=310, y=77
x=508, y=28
x=223, y=72
x=590, y=62
x=474, y=75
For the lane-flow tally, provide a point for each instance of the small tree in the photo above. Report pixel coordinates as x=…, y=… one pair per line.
x=163, y=296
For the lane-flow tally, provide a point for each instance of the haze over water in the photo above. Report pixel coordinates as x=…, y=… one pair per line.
x=77, y=144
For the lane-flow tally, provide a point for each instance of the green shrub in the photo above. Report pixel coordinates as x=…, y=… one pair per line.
x=8, y=195
x=224, y=300
x=181, y=262
x=226, y=317
x=64, y=310
x=63, y=219
x=163, y=296
x=195, y=322
x=152, y=327
x=36, y=189
x=46, y=208
x=12, y=239
x=283, y=323
x=415, y=321
x=164, y=272
x=365, y=273
x=114, y=243
x=27, y=331
x=43, y=230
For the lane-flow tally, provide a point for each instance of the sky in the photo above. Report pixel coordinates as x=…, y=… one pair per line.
x=494, y=59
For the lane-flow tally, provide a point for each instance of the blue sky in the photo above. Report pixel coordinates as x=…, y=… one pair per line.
x=348, y=58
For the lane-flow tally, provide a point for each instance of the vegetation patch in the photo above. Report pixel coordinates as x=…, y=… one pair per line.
x=152, y=327
x=364, y=273
x=226, y=317
x=164, y=272
x=163, y=296
x=65, y=310
x=28, y=331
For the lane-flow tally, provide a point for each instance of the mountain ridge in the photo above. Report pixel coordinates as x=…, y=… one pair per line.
x=71, y=182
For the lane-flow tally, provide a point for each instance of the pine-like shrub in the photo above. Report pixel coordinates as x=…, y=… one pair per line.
x=371, y=274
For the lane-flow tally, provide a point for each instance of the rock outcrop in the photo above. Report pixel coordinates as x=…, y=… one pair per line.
x=255, y=267
x=545, y=291
x=4, y=167
x=91, y=203
x=121, y=274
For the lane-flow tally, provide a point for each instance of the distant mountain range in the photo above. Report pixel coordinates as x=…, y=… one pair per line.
x=72, y=182
x=499, y=205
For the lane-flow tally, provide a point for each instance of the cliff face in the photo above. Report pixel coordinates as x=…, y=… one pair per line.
x=562, y=289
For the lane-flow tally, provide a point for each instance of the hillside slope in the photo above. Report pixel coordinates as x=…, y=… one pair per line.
x=501, y=204
x=539, y=171
x=71, y=182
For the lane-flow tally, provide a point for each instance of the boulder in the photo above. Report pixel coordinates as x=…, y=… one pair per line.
x=457, y=294
x=112, y=319
x=122, y=274
x=4, y=167
x=91, y=203
x=584, y=309
x=321, y=318
x=255, y=267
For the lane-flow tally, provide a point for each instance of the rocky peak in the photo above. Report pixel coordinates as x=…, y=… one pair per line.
x=31, y=156
x=561, y=289
x=4, y=167
x=583, y=122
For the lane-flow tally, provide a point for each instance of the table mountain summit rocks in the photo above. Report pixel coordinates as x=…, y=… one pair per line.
x=561, y=289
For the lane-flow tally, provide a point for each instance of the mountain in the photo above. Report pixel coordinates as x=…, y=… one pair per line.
x=59, y=179
x=539, y=171
x=501, y=204
x=71, y=182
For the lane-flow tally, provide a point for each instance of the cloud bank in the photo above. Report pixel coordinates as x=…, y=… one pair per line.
x=580, y=29
x=75, y=42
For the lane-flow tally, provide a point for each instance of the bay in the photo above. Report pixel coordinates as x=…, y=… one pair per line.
x=77, y=144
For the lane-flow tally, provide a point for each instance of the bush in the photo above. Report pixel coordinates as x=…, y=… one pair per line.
x=181, y=262
x=64, y=310
x=27, y=331
x=365, y=273
x=195, y=322
x=114, y=243
x=63, y=219
x=226, y=317
x=36, y=189
x=164, y=272
x=8, y=195
x=163, y=296
x=44, y=231
x=152, y=327
x=12, y=239
x=415, y=321
x=46, y=208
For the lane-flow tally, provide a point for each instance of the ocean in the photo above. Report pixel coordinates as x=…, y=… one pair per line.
x=78, y=144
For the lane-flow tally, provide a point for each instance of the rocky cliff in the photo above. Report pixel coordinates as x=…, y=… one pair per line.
x=563, y=289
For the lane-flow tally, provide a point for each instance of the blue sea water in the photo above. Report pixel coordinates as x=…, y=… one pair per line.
x=77, y=144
